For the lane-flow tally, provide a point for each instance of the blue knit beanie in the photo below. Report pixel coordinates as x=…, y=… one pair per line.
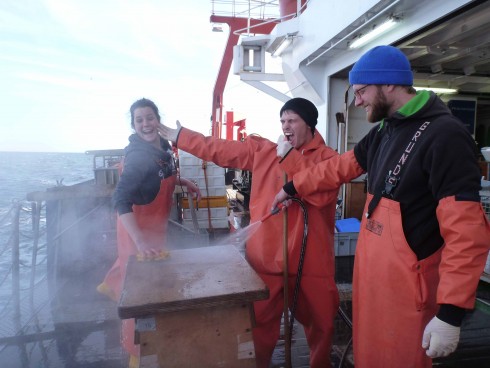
x=382, y=65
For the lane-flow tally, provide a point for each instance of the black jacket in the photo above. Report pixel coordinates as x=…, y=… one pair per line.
x=442, y=162
x=144, y=169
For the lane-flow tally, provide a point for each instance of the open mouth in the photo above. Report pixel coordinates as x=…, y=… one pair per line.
x=288, y=136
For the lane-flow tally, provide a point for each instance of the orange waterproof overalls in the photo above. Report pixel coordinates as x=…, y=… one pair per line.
x=394, y=295
x=404, y=304
x=152, y=218
x=318, y=297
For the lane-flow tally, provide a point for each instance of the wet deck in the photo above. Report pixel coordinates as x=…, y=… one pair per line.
x=96, y=344
x=80, y=329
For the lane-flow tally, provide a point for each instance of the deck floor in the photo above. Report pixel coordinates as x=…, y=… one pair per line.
x=85, y=332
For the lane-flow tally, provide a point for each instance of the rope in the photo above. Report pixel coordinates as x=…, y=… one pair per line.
x=300, y=263
x=204, y=166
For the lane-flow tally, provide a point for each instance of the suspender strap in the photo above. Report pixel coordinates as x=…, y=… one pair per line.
x=393, y=177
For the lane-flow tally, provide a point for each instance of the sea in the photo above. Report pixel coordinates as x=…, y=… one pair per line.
x=25, y=172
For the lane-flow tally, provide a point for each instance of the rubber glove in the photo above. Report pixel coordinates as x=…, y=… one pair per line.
x=168, y=133
x=440, y=338
x=283, y=146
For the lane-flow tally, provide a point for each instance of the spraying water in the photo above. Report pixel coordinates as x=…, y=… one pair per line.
x=239, y=238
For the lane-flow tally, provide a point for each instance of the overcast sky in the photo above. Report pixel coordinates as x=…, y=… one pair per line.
x=70, y=70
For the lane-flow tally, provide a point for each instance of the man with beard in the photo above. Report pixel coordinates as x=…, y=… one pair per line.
x=424, y=238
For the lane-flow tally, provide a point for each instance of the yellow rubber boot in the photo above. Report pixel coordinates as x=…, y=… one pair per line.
x=134, y=361
x=103, y=288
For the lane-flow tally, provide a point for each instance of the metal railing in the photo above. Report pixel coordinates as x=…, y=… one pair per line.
x=23, y=242
x=246, y=8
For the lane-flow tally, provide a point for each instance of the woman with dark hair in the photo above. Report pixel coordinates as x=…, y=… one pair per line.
x=143, y=200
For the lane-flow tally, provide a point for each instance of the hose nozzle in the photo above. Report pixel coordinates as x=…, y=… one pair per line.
x=273, y=212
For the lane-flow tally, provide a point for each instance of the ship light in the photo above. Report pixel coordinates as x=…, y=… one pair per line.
x=375, y=32
x=282, y=46
x=437, y=89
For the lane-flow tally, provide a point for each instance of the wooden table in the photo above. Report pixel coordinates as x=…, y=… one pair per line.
x=193, y=309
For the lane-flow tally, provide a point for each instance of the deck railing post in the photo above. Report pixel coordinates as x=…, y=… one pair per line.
x=36, y=218
x=15, y=262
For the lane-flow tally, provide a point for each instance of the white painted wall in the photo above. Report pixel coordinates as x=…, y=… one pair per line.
x=321, y=21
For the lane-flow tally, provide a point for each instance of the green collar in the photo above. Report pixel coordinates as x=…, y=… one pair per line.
x=415, y=104
x=412, y=106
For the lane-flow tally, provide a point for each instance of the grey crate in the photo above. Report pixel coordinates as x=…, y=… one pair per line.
x=345, y=243
x=485, y=202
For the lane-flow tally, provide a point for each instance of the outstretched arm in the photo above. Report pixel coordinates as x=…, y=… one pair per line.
x=325, y=176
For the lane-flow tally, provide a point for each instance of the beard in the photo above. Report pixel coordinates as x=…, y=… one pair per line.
x=380, y=108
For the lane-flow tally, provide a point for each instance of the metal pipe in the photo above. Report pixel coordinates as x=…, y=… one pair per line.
x=16, y=282
x=36, y=218
x=16, y=263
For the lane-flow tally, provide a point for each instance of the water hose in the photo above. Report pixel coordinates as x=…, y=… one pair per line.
x=300, y=263
x=288, y=325
x=348, y=322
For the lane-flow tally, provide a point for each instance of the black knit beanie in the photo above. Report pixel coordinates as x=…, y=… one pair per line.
x=303, y=108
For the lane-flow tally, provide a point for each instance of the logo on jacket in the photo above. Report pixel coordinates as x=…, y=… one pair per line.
x=166, y=168
x=408, y=149
x=374, y=226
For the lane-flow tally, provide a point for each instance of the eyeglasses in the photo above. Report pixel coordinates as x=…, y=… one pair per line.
x=358, y=93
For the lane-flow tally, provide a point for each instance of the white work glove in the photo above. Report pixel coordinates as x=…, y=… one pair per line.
x=283, y=146
x=440, y=338
x=168, y=133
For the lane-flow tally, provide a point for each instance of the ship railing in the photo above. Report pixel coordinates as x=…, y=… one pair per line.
x=24, y=229
x=106, y=165
x=246, y=8
x=266, y=10
x=24, y=280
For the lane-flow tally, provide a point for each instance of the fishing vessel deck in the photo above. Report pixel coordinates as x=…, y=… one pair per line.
x=55, y=318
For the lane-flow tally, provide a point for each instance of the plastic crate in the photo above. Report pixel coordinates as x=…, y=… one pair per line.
x=186, y=159
x=485, y=202
x=190, y=172
x=219, y=223
x=213, y=181
x=214, y=213
x=345, y=243
x=213, y=191
x=205, y=202
x=348, y=225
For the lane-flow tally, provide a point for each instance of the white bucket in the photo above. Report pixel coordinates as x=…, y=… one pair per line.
x=485, y=151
